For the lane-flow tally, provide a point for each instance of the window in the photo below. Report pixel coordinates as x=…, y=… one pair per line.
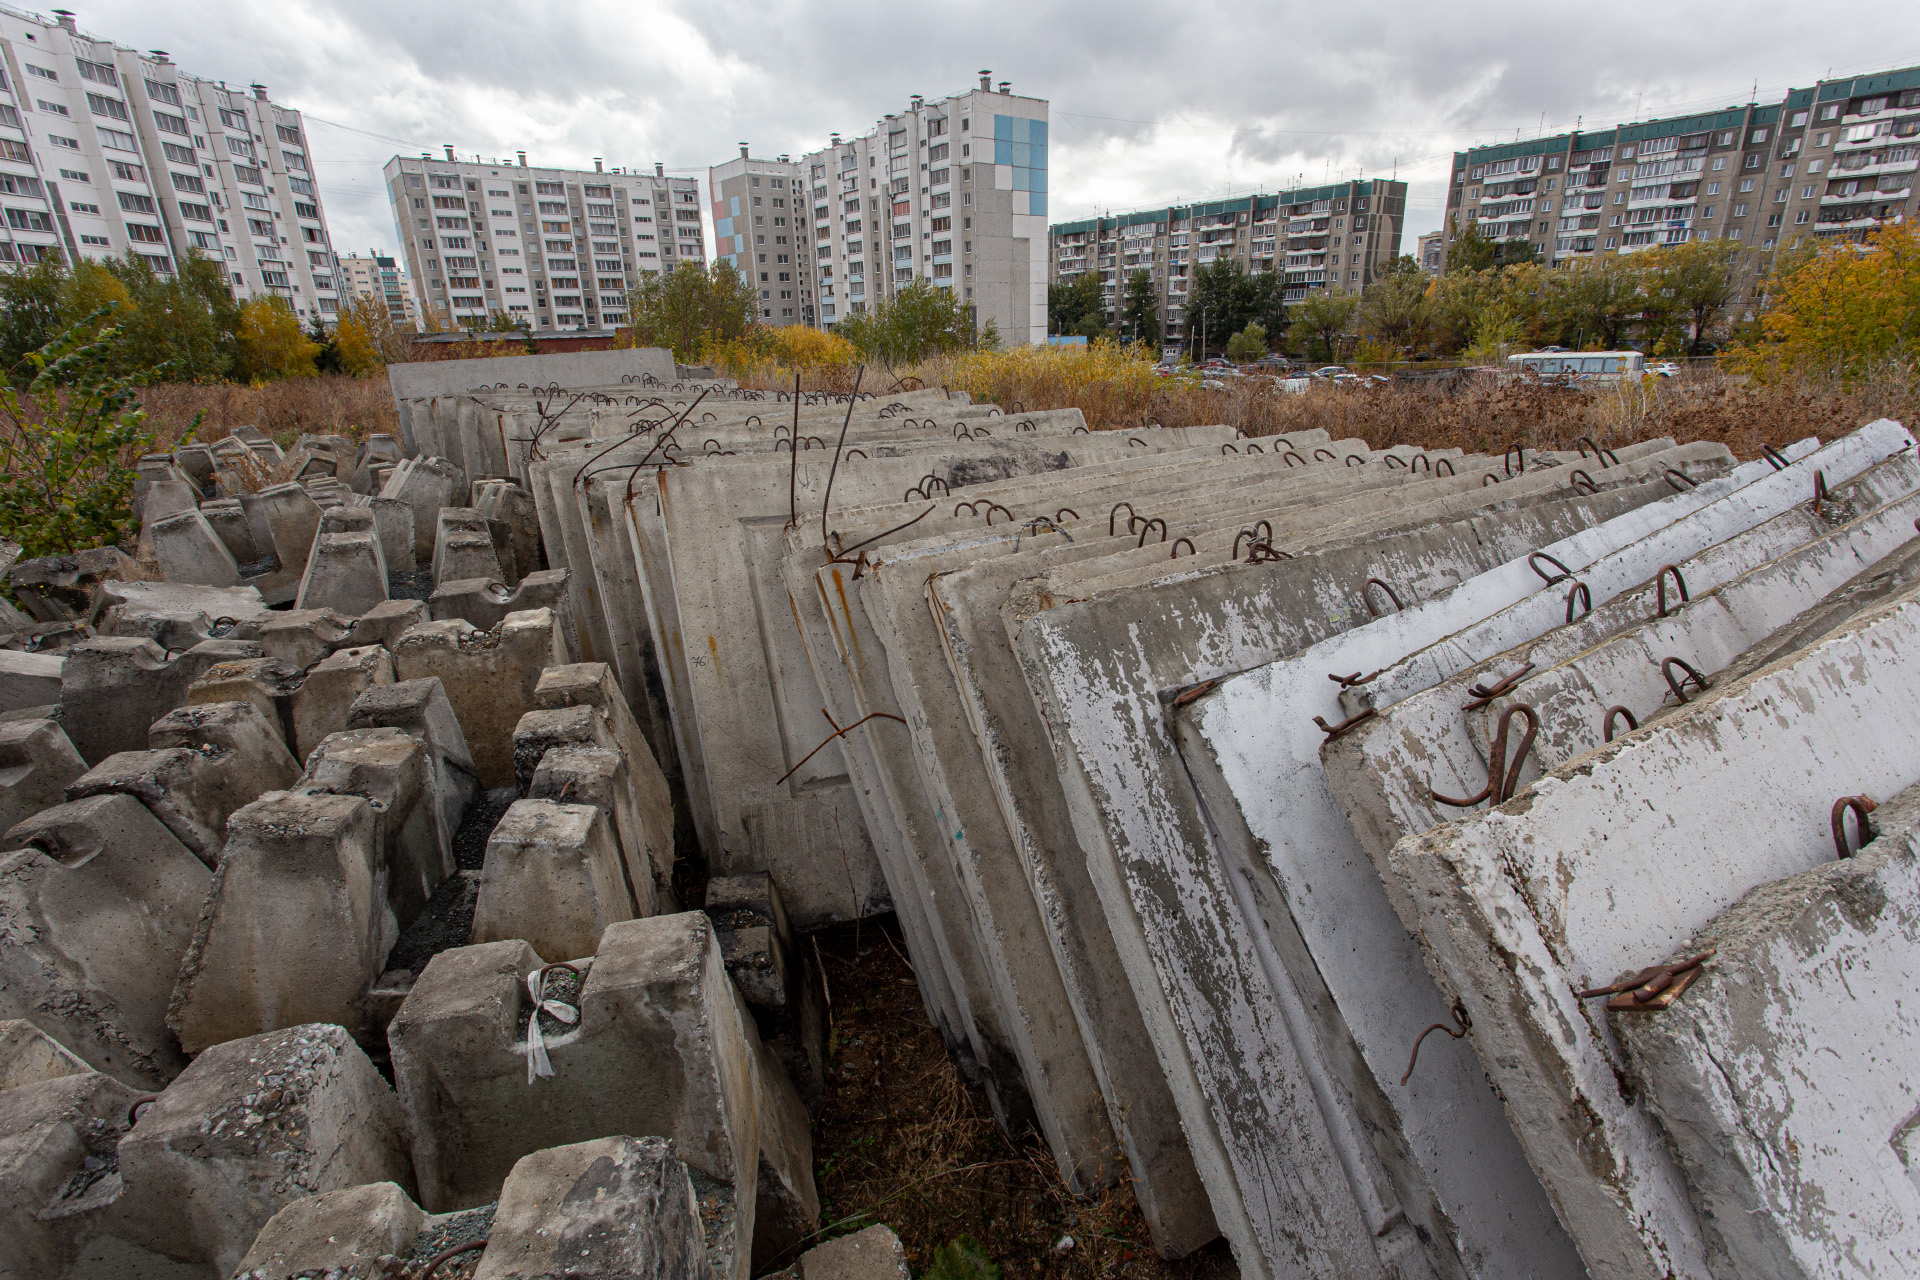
x=1759, y=136
x=288, y=135
x=52, y=108
x=116, y=139
x=71, y=144
x=75, y=175
x=170, y=123
x=260, y=227
x=42, y=72
x=1740, y=211
x=98, y=72
x=239, y=147
x=101, y=105
x=247, y=173
x=144, y=234
x=78, y=207
x=550, y=188
x=294, y=160
x=302, y=210
x=135, y=203
x=195, y=212
x=127, y=172
x=1801, y=217
x=301, y=185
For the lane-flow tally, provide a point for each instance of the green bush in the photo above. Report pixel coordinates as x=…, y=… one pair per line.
x=962, y=1259
x=70, y=442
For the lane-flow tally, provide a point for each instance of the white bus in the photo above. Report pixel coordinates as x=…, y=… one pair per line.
x=1601, y=365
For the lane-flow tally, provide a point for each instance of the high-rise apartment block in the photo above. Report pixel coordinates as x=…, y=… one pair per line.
x=1832, y=161
x=951, y=191
x=105, y=151
x=551, y=248
x=1341, y=237
x=381, y=278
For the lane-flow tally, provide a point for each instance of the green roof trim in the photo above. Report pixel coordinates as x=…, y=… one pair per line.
x=1240, y=204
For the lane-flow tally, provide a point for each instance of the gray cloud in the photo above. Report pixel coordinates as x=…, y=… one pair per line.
x=1150, y=104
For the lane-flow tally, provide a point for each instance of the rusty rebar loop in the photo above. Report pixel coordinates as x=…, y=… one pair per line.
x=1660, y=587
x=826, y=501
x=1366, y=593
x=1686, y=481
x=1860, y=806
x=134, y=1108
x=1606, y=724
x=1820, y=495
x=1506, y=460
x=433, y=1264
x=1500, y=789
x=960, y=431
x=1066, y=511
x=1291, y=454
x=1335, y=730
x=1392, y=458
x=1331, y=455
x=1175, y=553
x=1585, y=597
x=1146, y=527
x=1448, y=464
x=1580, y=477
x=993, y=507
x=1549, y=578
x=1254, y=448
x=1419, y=458
x=851, y=452
x=839, y=557
x=972, y=506
x=1460, y=1019
x=1135, y=440
x=1679, y=686
x=1355, y=460
x=1356, y=679
x=1252, y=535
x=1025, y=424
x=1651, y=981
x=1116, y=511
x=1261, y=551
x=1226, y=449
x=838, y=730
x=1485, y=693
x=1779, y=460
x=1488, y=479
x=1605, y=457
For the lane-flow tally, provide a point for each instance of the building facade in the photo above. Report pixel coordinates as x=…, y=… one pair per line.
x=548, y=248
x=105, y=151
x=1432, y=252
x=754, y=199
x=1831, y=161
x=1341, y=236
x=952, y=191
x=381, y=278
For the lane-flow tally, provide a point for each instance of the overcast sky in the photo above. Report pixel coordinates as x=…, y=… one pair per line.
x=1151, y=104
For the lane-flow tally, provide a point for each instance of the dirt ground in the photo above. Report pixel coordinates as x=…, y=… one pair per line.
x=904, y=1141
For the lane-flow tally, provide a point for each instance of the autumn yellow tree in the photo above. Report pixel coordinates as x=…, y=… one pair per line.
x=272, y=345
x=1847, y=309
x=363, y=339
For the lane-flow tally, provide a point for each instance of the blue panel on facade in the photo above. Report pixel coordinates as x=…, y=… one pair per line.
x=1020, y=178
x=1038, y=154
x=1002, y=151
x=1003, y=127
x=1022, y=154
x=723, y=227
x=1037, y=179
x=1037, y=132
x=734, y=202
x=1037, y=203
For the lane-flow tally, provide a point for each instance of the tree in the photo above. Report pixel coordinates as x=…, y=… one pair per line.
x=1225, y=299
x=920, y=320
x=1468, y=250
x=271, y=343
x=1592, y=302
x=1247, y=345
x=1322, y=317
x=1393, y=310
x=69, y=443
x=29, y=313
x=1077, y=306
x=1140, y=319
x=1847, y=308
x=1690, y=285
x=692, y=306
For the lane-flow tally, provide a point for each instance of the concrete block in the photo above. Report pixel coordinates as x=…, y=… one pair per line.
x=426, y=485
x=29, y=1055
x=179, y=615
x=462, y=552
x=114, y=688
x=345, y=1234
x=387, y=621
x=247, y=747
x=188, y=550
x=295, y=926
x=65, y=588
x=421, y=709
x=379, y=450
x=291, y=518
x=185, y=790
x=592, y=684
x=346, y=572
x=37, y=764
x=97, y=902
x=250, y=1127
x=656, y=1004
x=57, y=1140
x=301, y=637
x=29, y=679
x=489, y=678
x=618, y=1207
x=228, y=520
x=164, y=498
x=196, y=462
x=1520, y=906
x=393, y=522
x=321, y=704
x=259, y=441
x=873, y=1254
x=484, y=601
x=390, y=769
x=553, y=877
x=508, y=502
x=597, y=776
x=540, y=731
x=267, y=683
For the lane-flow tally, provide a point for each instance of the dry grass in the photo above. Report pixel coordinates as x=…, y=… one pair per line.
x=329, y=405
x=902, y=1140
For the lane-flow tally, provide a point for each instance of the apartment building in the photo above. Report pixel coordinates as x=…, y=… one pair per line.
x=1831, y=161
x=106, y=151
x=1340, y=236
x=1431, y=252
x=753, y=199
x=951, y=191
x=381, y=278
x=550, y=248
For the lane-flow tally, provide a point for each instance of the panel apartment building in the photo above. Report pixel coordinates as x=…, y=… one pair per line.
x=1340, y=236
x=381, y=278
x=951, y=191
x=551, y=248
x=1831, y=161
x=105, y=151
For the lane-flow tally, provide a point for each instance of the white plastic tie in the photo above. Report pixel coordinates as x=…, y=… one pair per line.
x=539, y=1066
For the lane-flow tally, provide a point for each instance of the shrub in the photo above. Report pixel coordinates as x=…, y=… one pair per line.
x=69, y=444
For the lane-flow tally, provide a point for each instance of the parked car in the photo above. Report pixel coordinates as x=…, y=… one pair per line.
x=1665, y=369
x=1328, y=371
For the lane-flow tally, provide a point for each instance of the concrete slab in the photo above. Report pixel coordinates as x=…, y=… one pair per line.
x=322, y=703
x=1520, y=908
x=420, y=707
x=390, y=769
x=98, y=900
x=489, y=678
x=113, y=689
x=591, y=684
x=553, y=877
